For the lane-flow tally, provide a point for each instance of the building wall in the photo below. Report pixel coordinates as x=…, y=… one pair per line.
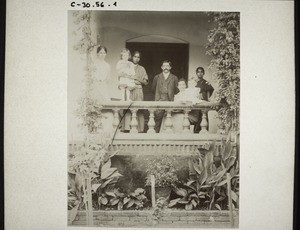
x=116, y=28
x=171, y=219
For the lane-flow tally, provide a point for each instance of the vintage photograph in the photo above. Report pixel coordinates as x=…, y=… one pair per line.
x=153, y=119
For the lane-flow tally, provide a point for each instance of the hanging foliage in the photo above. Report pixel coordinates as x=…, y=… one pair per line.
x=83, y=20
x=87, y=162
x=89, y=110
x=224, y=47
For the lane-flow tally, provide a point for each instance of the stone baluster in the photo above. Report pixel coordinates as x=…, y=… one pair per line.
x=116, y=121
x=134, y=122
x=204, y=123
x=186, y=122
x=151, y=122
x=168, y=123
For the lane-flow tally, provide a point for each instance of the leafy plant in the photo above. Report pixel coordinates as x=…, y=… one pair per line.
x=228, y=155
x=209, y=187
x=116, y=199
x=108, y=175
x=162, y=167
x=104, y=181
x=212, y=176
x=224, y=47
x=82, y=163
x=91, y=163
x=89, y=111
x=120, y=201
x=136, y=199
x=189, y=196
x=103, y=200
x=75, y=195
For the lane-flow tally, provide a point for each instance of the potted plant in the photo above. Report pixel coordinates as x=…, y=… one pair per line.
x=164, y=172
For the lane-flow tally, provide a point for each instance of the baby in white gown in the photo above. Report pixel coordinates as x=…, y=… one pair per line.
x=126, y=73
x=190, y=94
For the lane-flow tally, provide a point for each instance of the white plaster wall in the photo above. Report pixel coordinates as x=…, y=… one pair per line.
x=115, y=28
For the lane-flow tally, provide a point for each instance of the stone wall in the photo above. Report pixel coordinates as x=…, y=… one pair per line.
x=169, y=218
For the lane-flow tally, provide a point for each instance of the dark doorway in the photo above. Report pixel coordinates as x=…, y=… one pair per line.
x=152, y=56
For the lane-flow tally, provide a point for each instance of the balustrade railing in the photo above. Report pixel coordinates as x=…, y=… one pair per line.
x=118, y=107
x=181, y=141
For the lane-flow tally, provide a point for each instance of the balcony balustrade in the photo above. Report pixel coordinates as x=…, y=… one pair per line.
x=152, y=106
x=184, y=142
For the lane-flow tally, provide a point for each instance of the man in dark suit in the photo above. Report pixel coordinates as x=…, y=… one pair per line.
x=165, y=87
x=206, y=91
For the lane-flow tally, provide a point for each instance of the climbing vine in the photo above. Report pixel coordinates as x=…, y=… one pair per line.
x=86, y=162
x=88, y=109
x=224, y=47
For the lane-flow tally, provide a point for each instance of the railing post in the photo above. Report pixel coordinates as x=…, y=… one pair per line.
x=134, y=122
x=186, y=122
x=151, y=122
x=204, y=123
x=168, y=122
x=116, y=121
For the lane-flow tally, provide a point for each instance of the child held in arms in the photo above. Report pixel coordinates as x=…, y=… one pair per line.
x=188, y=94
x=126, y=73
x=191, y=94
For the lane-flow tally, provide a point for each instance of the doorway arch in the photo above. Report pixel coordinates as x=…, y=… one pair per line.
x=156, y=48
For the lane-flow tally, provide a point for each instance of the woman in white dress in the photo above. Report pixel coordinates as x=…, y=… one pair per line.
x=100, y=87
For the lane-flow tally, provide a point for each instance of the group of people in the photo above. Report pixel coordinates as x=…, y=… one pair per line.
x=131, y=78
x=165, y=85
